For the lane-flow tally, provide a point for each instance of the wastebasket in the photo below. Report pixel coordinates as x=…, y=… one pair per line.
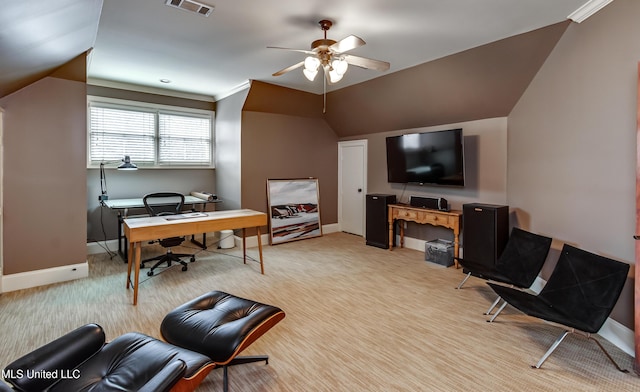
x=439, y=251
x=227, y=240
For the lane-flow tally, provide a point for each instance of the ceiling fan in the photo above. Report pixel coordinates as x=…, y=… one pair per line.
x=331, y=56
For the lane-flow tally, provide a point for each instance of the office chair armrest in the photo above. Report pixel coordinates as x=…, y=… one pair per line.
x=61, y=355
x=165, y=379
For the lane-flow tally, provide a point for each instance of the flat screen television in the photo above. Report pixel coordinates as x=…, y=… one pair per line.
x=435, y=158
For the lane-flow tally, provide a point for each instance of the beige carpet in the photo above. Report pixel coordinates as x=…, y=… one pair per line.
x=358, y=318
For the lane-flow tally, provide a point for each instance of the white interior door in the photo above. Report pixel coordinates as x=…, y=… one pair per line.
x=352, y=185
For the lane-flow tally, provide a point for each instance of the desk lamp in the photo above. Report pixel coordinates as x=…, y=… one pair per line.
x=125, y=165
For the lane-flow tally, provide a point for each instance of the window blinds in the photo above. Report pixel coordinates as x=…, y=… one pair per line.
x=149, y=137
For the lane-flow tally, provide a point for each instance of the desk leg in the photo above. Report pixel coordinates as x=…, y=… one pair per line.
x=136, y=279
x=402, y=234
x=202, y=244
x=129, y=264
x=391, y=223
x=260, y=250
x=244, y=245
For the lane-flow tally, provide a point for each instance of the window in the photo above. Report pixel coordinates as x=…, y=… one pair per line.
x=152, y=135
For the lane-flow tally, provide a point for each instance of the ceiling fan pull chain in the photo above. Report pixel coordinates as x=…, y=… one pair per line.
x=324, y=95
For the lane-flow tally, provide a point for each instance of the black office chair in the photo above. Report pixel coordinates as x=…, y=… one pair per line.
x=161, y=204
x=580, y=294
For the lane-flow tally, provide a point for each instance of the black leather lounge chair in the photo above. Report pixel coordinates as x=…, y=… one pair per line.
x=203, y=334
x=518, y=265
x=82, y=361
x=580, y=294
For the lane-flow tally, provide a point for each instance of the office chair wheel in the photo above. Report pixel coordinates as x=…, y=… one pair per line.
x=149, y=273
x=193, y=258
x=184, y=267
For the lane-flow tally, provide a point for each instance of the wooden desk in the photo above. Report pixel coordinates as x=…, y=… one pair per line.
x=448, y=219
x=138, y=230
x=122, y=207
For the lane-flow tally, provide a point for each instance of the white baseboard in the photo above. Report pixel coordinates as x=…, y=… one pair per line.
x=616, y=333
x=94, y=248
x=26, y=280
x=619, y=335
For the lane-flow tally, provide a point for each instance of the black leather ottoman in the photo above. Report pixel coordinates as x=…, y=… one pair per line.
x=220, y=325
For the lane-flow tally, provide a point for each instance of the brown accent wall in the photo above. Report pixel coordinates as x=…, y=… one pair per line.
x=45, y=221
x=279, y=146
x=483, y=82
x=292, y=141
x=269, y=98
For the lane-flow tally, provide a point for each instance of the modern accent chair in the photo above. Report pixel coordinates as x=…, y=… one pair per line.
x=518, y=265
x=161, y=204
x=580, y=294
x=81, y=360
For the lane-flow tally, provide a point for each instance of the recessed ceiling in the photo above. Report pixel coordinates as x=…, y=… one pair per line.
x=143, y=41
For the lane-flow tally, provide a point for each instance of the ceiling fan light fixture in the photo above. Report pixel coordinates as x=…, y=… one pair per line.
x=310, y=74
x=340, y=66
x=311, y=63
x=334, y=76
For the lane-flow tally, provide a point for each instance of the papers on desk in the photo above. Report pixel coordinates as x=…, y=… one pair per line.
x=186, y=216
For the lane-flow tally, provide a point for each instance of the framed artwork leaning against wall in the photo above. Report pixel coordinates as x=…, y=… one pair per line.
x=294, y=209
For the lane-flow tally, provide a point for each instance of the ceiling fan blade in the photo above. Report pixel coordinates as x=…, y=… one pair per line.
x=364, y=62
x=346, y=44
x=293, y=50
x=291, y=68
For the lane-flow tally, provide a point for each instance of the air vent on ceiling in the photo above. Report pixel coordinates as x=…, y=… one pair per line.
x=191, y=6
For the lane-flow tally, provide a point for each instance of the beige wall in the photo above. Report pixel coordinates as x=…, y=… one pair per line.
x=44, y=186
x=572, y=141
x=485, y=149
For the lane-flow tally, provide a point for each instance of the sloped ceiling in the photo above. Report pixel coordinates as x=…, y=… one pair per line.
x=479, y=83
x=37, y=37
x=482, y=82
x=140, y=42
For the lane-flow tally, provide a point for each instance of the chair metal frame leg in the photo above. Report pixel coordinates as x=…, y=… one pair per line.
x=464, y=281
x=240, y=361
x=504, y=305
x=588, y=336
x=493, y=305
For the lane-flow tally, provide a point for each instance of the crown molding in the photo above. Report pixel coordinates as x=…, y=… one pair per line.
x=148, y=89
x=589, y=8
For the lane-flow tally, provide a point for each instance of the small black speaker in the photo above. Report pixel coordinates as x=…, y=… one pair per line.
x=485, y=232
x=378, y=220
x=429, y=202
